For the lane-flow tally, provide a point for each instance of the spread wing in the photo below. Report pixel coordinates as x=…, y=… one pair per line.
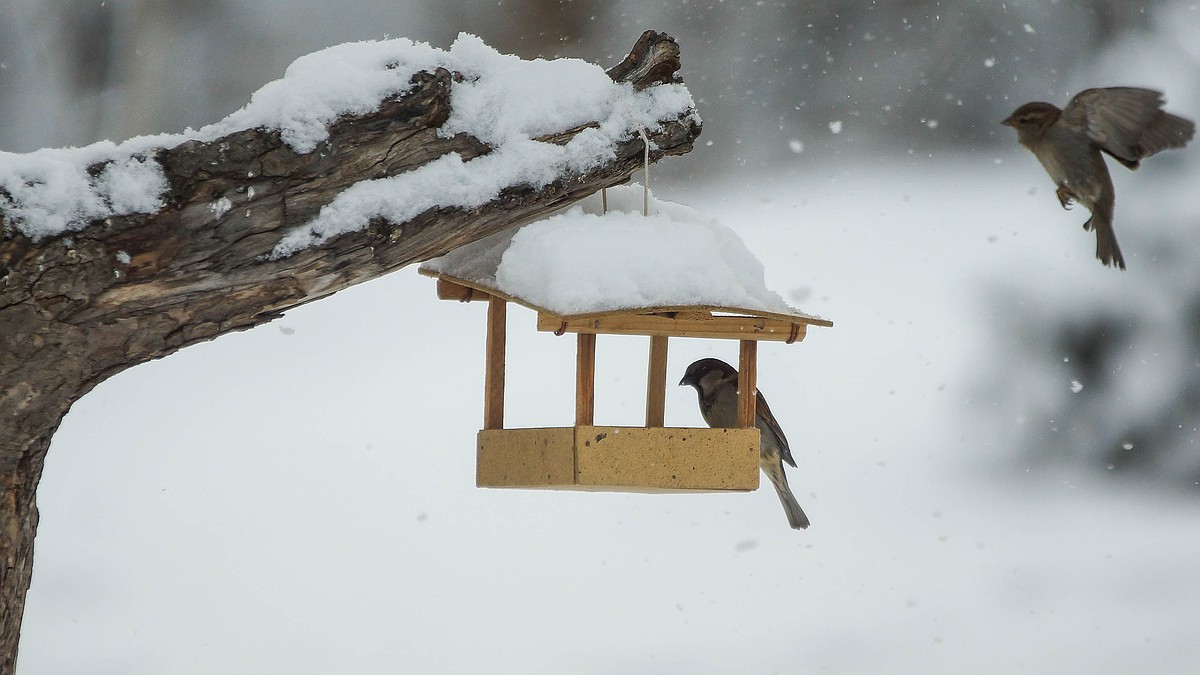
x=764, y=411
x=1127, y=122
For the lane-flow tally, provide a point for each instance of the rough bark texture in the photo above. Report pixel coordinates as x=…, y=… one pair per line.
x=78, y=309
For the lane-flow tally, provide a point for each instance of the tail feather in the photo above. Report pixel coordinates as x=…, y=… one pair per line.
x=1107, y=250
x=795, y=515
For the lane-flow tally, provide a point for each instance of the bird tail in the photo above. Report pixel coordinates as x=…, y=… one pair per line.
x=791, y=507
x=1107, y=250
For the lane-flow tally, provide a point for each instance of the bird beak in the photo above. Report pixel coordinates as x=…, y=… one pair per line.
x=1007, y=121
x=687, y=379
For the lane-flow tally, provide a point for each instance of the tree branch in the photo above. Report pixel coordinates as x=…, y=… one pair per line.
x=77, y=309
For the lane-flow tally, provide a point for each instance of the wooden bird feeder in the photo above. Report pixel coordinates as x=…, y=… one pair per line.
x=623, y=459
x=585, y=456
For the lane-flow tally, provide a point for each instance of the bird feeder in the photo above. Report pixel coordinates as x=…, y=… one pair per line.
x=585, y=456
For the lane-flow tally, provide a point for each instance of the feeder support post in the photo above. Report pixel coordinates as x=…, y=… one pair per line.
x=747, y=382
x=656, y=382
x=585, y=379
x=493, y=380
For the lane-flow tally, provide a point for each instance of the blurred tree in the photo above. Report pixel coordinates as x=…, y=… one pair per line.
x=173, y=64
x=543, y=28
x=916, y=73
x=919, y=75
x=1110, y=383
x=86, y=70
x=91, y=30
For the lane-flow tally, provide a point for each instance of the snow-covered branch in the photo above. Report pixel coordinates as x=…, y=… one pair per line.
x=362, y=159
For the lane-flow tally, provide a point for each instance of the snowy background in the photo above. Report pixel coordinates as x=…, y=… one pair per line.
x=299, y=498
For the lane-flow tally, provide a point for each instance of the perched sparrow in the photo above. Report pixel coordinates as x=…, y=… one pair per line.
x=716, y=382
x=1127, y=123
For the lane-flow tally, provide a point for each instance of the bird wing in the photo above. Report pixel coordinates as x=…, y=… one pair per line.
x=1127, y=122
x=764, y=412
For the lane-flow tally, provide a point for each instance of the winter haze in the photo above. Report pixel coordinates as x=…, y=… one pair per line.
x=996, y=442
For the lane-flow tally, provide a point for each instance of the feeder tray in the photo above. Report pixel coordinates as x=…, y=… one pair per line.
x=652, y=459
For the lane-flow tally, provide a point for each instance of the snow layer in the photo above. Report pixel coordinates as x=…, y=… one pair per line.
x=927, y=553
x=580, y=260
x=51, y=191
x=504, y=102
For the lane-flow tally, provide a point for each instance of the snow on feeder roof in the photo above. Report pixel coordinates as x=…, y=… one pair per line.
x=588, y=272
x=582, y=264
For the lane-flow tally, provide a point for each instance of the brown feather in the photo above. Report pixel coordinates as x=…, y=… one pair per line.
x=1127, y=123
x=764, y=411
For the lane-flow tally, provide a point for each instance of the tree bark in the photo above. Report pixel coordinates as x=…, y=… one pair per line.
x=77, y=309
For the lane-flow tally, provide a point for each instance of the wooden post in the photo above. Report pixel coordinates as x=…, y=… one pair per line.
x=493, y=379
x=656, y=382
x=747, y=382
x=585, y=379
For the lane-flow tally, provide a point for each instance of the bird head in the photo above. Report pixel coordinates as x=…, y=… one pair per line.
x=1032, y=119
x=705, y=374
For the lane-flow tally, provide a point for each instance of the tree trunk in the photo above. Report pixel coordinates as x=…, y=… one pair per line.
x=77, y=309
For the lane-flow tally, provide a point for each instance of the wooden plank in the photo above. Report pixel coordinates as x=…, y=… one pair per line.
x=528, y=458
x=619, y=459
x=585, y=379
x=718, y=327
x=449, y=290
x=747, y=382
x=493, y=379
x=656, y=382
x=686, y=311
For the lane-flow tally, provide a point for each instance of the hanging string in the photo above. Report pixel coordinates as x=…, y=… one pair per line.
x=645, y=178
x=646, y=172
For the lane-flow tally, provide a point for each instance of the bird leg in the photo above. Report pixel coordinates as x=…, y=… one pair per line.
x=1065, y=196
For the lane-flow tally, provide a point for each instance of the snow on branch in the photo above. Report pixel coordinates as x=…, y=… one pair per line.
x=508, y=104
x=363, y=158
x=500, y=100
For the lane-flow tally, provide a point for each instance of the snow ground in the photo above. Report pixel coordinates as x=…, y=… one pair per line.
x=299, y=498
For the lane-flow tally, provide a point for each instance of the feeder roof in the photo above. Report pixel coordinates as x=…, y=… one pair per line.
x=581, y=263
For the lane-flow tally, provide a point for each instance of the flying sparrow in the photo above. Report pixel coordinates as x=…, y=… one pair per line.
x=716, y=383
x=1127, y=123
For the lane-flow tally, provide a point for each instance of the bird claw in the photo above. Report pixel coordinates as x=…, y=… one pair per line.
x=1064, y=197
